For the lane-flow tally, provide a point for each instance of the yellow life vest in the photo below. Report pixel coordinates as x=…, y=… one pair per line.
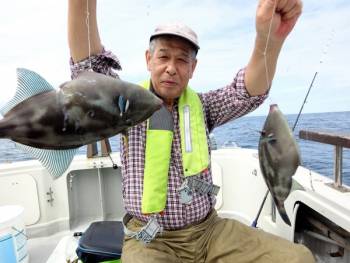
x=159, y=138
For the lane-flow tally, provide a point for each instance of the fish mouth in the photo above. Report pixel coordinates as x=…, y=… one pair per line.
x=273, y=107
x=159, y=104
x=147, y=114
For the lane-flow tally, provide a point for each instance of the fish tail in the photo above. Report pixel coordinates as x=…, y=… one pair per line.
x=283, y=213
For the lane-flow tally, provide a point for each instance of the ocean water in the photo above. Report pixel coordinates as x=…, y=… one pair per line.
x=245, y=133
x=315, y=156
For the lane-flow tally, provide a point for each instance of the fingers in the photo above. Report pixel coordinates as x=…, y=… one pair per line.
x=281, y=4
x=286, y=8
x=289, y=8
x=293, y=13
x=266, y=8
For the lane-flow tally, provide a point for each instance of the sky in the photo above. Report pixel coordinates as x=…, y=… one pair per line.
x=33, y=35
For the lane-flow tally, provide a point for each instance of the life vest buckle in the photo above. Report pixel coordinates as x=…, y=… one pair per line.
x=186, y=193
x=147, y=232
x=203, y=187
x=195, y=184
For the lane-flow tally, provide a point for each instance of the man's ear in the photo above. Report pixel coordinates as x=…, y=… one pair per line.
x=148, y=56
x=194, y=64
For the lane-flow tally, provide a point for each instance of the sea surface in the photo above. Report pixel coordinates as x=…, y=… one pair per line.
x=245, y=133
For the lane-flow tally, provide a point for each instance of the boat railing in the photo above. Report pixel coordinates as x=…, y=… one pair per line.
x=340, y=141
x=92, y=150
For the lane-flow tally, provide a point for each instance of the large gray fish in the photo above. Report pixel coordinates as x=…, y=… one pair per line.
x=279, y=158
x=51, y=124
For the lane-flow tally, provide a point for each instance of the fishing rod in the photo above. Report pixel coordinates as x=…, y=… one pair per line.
x=302, y=106
x=255, y=222
x=115, y=166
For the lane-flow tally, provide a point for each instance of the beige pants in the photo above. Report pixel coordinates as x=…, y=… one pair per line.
x=215, y=240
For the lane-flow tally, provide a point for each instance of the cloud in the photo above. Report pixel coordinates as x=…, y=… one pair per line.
x=38, y=40
x=33, y=39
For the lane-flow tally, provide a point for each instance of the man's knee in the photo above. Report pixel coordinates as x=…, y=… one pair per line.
x=303, y=255
x=135, y=251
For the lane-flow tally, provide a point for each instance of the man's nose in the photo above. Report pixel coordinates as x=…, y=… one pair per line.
x=171, y=69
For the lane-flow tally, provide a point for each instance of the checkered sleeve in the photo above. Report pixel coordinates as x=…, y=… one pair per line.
x=104, y=62
x=229, y=102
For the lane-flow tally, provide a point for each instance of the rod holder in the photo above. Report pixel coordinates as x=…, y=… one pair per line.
x=92, y=150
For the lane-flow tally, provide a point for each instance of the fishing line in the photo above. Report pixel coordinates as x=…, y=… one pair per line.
x=87, y=21
x=255, y=222
x=148, y=9
x=266, y=47
x=324, y=54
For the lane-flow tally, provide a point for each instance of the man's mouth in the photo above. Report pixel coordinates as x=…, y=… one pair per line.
x=169, y=82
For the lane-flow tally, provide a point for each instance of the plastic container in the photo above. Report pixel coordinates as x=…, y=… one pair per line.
x=13, y=240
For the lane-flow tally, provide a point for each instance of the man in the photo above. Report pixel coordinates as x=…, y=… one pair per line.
x=166, y=160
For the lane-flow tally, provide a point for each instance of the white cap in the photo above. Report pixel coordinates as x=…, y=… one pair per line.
x=177, y=29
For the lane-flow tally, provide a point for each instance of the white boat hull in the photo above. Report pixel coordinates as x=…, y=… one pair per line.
x=90, y=191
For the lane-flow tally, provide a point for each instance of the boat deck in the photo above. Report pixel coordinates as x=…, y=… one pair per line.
x=40, y=249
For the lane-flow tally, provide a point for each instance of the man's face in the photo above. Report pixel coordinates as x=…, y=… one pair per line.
x=171, y=66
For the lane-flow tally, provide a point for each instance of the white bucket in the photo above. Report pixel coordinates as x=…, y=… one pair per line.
x=13, y=240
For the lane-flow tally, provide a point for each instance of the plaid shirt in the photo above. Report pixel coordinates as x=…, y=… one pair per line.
x=220, y=106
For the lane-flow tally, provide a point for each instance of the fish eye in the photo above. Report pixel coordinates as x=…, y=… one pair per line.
x=128, y=122
x=272, y=140
x=115, y=100
x=91, y=113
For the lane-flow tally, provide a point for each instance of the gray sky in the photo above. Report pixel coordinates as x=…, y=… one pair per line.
x=34, y=35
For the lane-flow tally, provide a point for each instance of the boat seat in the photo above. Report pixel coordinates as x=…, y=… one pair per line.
x=101, y=242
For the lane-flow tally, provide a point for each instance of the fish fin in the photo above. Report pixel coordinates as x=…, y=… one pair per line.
x=29, y=84
x=55, y=161
x=127, y=104
x=296, y=186
x=283, y=213
x=121, y=105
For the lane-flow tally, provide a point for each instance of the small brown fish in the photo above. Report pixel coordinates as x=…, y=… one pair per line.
x=279, y=158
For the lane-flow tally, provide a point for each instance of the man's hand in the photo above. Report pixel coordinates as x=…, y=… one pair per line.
x=284, y=15
x=281, y=16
